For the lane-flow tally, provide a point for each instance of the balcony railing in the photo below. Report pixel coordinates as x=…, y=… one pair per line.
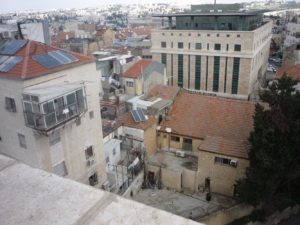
x=54, y=112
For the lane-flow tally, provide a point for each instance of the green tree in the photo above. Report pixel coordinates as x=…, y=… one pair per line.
x=274, y=171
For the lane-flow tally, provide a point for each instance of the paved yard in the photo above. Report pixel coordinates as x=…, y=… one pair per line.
x=189, y=206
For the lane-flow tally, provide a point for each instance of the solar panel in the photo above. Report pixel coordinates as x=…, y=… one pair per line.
x=9, y=63
x=46, y=60
x=10, y=47
x=141, y=114
x=3, y=58
x=69, y=56
x=138, y=115
x=54, y=58
x=135, y=116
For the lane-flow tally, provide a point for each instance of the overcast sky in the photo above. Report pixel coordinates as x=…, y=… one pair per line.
x=16, y=5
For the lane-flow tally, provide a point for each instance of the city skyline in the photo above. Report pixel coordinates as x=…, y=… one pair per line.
x=20, y=5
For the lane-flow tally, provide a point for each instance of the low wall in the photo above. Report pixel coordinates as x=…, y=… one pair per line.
x=189, y=179
x=171, y=179
x=227, y=215
x=135, y=186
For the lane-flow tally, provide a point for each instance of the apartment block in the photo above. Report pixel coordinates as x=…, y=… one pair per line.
x=49, y=110
x=217, y=53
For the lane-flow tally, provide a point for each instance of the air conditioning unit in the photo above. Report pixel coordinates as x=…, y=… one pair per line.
x=180, y=154
x=233, y=163
x=90, y=162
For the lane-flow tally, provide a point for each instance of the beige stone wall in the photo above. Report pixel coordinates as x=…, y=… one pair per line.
x=171, y=178
x=164, y=141
x=254, y=45
x=150, y=140
x=222, y=177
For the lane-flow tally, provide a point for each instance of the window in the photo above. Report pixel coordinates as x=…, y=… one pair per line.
x=216, y=73
x=218, y=35
x=196, y=25
x=198, y=46
x=171, y=44
x=208, y=35
x=197, y=72
x=189, y=45
x=107, y=159
x=114, y=151
x=225, y=161
x=238, y=35
x=171, y=34
x=235, y=75
x=91, y=114
x=180, y=44
x=93, y=180
x=129, y=83
x=207, y=46
x=175, y=138
x=22, y=141
x=163, y=34
x=228, y=35
x=164, y=58
x=163, y=44
x=60, y=169
x=180, y=34
x=189, y=34
x=227, y=47
x=180, y=70
x=217, y=46
x=10, y=104
x=199, y=35
x=54, y=138
x=78, y=121
x=237, y=48
x=89, y=152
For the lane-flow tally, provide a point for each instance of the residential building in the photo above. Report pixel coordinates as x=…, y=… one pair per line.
x=211, y=129
x=50, y=110
x=126, y=144
x=219, y=53
x=142, y=76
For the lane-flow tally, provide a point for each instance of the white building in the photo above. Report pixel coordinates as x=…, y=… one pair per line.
x=49, y=110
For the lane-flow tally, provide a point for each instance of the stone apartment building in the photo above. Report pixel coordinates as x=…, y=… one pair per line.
x=50, y=113
x=213, y=130
x=219, y=53
x=142, y=76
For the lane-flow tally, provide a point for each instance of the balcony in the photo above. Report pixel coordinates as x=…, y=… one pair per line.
x=46, y=108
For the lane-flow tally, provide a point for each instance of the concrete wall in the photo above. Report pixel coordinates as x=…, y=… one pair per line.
x=227, y=216
x=189, y=179
x=171, y=178
x=74, y=138
x=222, y=177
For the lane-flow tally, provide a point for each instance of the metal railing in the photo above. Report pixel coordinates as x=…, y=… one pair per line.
x=42, y=121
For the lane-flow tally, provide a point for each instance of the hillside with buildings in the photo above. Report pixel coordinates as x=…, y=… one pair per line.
x=149, y=113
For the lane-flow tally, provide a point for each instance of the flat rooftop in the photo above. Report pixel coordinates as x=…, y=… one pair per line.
x=205, y=14
x=192, y=206
x=34, y=197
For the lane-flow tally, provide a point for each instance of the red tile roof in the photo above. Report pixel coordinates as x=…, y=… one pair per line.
x=292, y=71
x=136, y=70
x=163, y=91
x=128, y=121
x=200, y=116
x=223, y=146
x=28, y=68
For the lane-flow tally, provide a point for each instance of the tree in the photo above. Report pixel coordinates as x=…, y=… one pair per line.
x=274, y=171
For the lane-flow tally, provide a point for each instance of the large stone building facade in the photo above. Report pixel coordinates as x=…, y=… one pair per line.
x=218, y=53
